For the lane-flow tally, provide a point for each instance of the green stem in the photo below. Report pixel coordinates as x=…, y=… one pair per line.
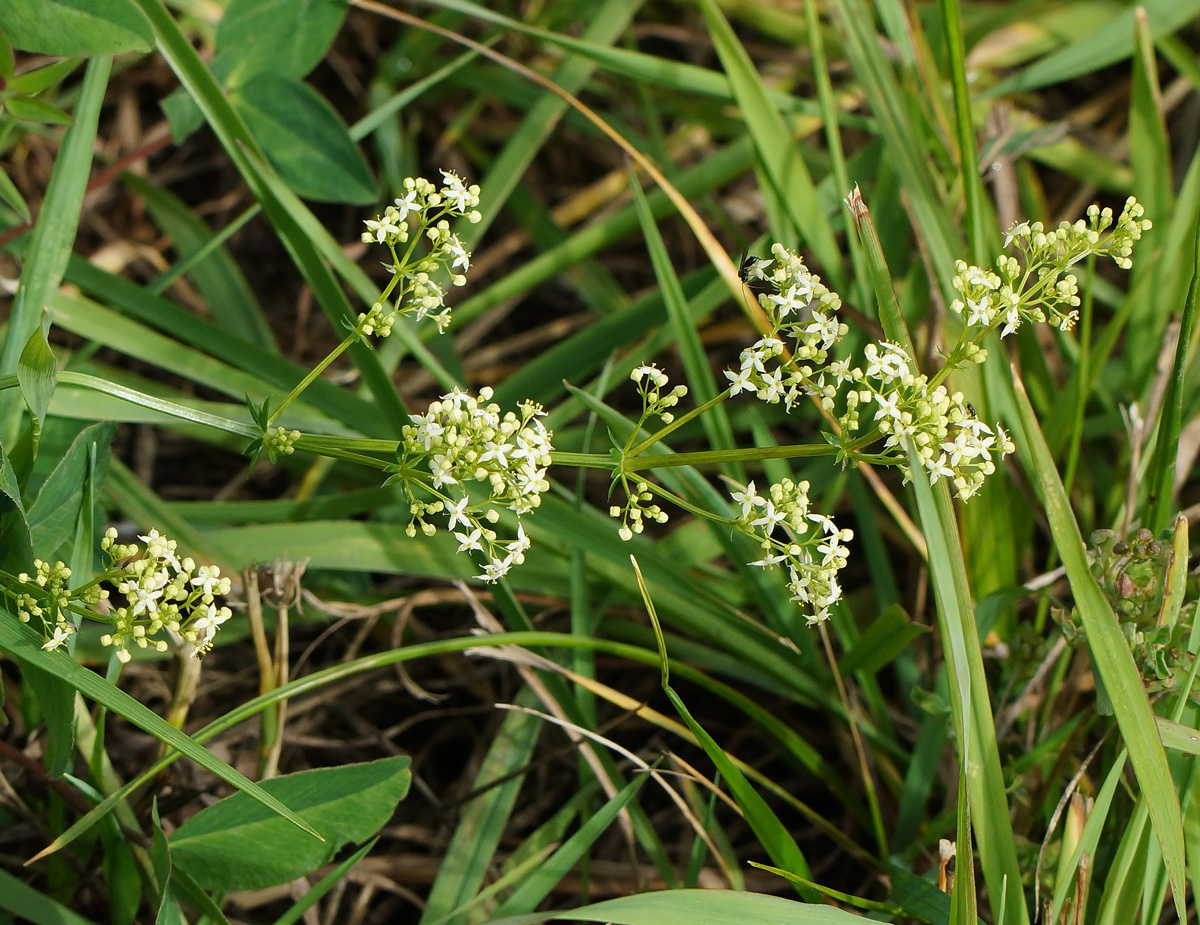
x=712, y=457
x=679, y=422
x=313, y=374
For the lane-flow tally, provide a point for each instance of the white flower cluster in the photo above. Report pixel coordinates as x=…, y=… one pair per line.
x=801, y=309
x=810, y=546
x=950, y=440
x=414, y=288
x=462, y=440
x=160, y=591
x=1038, y=288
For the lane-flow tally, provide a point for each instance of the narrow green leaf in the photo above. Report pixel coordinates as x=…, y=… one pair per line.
x=776, y=840
x=322, y=887
x=1110, y=652
x=11, y=196
x=23, y=644
x=160, y=857
x=971, y=708
x=888, y=635
x=778, y=152
x=222, y=847
x=1161, y=477
x=230, y=299
x=54, y=233
x=304, y=140
x=38, y=375
x=687, y=907
x=471, y=852
x=559, y=864
x=1101, y=47
x=75, y=27
x=29, y=109
x=42, y=78
x=33, y=906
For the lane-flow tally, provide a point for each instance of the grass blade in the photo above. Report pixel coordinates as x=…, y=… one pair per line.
x=1109, y=650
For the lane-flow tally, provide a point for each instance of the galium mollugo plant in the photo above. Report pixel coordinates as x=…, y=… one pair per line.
x=884, y=398
x=465, y=461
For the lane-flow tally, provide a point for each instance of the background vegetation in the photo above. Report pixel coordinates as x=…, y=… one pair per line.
x=184, y=190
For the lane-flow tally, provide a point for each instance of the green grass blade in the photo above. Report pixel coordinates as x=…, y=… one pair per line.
x=470, y=854
x=687, y=907
x=53, y=235
x=702, y=386
x=559, y=864
x=1109, y=651
x=777, y=152
x=227, y=294
x=1161, y=477
x=971, y=707
x=1112, y=42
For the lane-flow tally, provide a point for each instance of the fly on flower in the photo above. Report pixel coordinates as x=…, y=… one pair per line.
x=750, y=272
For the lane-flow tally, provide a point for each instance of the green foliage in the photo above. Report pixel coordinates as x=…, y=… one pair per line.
x=858, y=718
x=224, y=847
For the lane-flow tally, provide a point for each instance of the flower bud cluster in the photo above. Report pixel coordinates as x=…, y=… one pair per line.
x=423, y=213
x=650, y=382
x=637, y=509
x=1038, y=288
x=462, y=442
x=809, y=546
x=280, y=440
x=45, y=594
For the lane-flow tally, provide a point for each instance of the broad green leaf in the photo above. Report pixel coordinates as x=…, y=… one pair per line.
x=239, y=844
x=283, y=37
x=54, y=512
x=75, y=27
x=23, y=644
x=304, y=140
x=689, y=907
x=1110, y=652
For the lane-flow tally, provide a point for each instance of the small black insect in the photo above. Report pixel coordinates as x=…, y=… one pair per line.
x=750, y=272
